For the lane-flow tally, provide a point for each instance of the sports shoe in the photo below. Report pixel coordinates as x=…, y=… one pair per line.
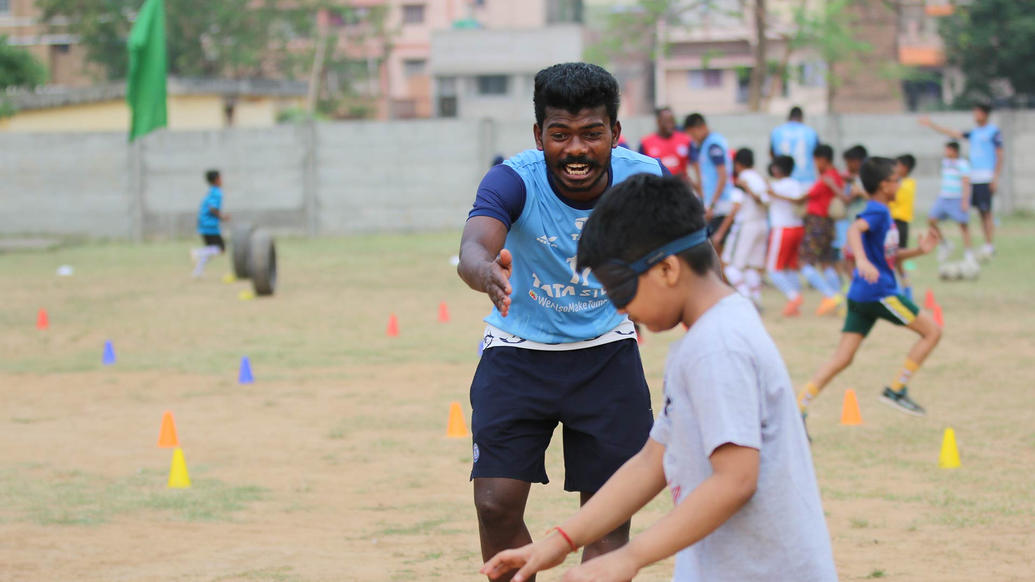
x=945, y=250
x=902, y=401
x=791, y=309
x=805, y=425
x=829, y=304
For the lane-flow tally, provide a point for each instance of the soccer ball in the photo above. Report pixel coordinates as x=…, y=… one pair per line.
x=949, y=271
x=969, y=270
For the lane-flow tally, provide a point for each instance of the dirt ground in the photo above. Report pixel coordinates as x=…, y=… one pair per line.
x=334, y=464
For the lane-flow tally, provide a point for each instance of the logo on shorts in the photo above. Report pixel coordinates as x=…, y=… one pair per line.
x=475, y=452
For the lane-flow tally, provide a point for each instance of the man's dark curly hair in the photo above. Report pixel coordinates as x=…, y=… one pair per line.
x=574, y=87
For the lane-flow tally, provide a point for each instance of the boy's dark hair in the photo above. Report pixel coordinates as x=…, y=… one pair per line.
x=211, y=176
x=745, y=157
x=796, y=114
x=574, y=87
x=785, y=163
x=639, y=215
x=693, y=120
x=954, y=146
x=986, y=107
x=856, y=152
x=824, y=151
x=874, y=171
x=908, y=161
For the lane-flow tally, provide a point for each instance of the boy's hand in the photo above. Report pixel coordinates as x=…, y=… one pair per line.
x=867, y=271
x=924, y=120
x=615, y=566
x=929, y=242
x=496, y=281
x=542, y=555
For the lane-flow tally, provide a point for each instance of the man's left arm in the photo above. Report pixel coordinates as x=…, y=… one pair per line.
x=998, y=142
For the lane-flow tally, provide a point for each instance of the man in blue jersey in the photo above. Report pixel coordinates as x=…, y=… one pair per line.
x=716, y=171
x=555, y=349
x=797, y=140
x=209, y=215
x=986, y=165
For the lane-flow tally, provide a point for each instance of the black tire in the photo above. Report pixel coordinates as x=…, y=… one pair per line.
x=262, y=262
x=240, y=244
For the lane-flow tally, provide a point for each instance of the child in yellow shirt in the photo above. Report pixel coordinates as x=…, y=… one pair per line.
x=902, y=212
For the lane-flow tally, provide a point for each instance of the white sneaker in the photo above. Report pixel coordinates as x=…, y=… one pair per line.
x=945, y=250
x=194, y=257
x=987, y=252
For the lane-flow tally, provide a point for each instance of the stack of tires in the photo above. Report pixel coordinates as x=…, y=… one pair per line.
x=254, y=257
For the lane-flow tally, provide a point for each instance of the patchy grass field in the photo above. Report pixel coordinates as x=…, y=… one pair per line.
x=334, y=464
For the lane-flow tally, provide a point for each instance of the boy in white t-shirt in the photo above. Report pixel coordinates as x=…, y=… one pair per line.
x=743, y=255
x=729, y=442
x=786, y=196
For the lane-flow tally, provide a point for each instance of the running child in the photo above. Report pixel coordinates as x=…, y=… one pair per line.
x=817, y=245
x=951, y=203
x=902, y=213
x=873, y=293
x=209, y=216
x=743, y=255
x=785, y=232
x=729, y=442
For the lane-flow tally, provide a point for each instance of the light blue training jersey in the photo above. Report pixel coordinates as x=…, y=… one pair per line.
x=954, y=170
x=715, y=152
x=984, y=141
x=797, y=140
x=207, y=223
x=552, y=302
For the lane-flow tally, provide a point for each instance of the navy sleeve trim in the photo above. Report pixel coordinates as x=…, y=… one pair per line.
x=501, y=195
x=664, y=170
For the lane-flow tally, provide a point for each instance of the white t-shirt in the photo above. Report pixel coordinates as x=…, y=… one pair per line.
x=781, y=212
x=725, y=382
x=750, y=209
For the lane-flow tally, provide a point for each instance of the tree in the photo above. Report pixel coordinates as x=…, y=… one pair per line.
x=990, y=41
x=234, y=38
x=828, y=30
x=19, y=69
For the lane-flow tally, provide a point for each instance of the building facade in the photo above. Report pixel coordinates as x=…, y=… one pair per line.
x=59, y=51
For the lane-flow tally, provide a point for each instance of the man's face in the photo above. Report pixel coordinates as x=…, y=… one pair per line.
x=822, y=164
x=980, y=117
x=577, y=148
x=853, y=165
x=666, y=123
x=698, y=133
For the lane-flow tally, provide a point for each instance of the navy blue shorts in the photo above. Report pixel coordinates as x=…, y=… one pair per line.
x=981, y=197
x=598, y=394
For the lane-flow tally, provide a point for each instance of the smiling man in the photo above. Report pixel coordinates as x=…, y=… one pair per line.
x=555, y=350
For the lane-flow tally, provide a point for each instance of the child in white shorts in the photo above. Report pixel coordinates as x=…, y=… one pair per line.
x=743, y=255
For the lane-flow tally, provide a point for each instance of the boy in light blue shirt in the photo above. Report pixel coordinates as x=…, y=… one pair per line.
x=951, y=203
x=210, y=214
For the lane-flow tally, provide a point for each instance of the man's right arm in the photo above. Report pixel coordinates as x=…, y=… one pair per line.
x=484, y=264
x=947, y=131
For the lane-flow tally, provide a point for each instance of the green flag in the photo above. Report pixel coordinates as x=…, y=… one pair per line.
x=145, y=91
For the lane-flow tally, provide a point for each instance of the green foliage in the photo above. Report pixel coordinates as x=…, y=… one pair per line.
x=828, y=30
x=19, y=68
x=632, y=32
x=990, y=41
x=206, y=38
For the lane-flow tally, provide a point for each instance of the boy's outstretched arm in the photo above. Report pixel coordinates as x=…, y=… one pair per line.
x=924, y=245
x=484, y=264
x=638, y=481
x=732, y=484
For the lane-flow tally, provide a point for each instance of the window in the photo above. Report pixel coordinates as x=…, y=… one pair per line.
x=413, y=14
x=414, y=67
x=705, y=79
x=5, y=6
x=492, y=84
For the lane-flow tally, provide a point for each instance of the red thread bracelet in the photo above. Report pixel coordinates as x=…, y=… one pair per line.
x=571, y=544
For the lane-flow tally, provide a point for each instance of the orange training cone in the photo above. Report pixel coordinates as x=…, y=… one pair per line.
x=850, y=415
x=938, y=315
x=167, y=434
x=456, y=428
x=178, y=476
x=41, y=319
x=393, y=326
x=929, y=301
x=443, y=312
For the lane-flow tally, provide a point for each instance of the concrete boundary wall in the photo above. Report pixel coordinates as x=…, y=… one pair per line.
x=353, y=177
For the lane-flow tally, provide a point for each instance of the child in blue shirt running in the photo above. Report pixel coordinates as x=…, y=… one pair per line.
x=210, y=214
x=874, y=294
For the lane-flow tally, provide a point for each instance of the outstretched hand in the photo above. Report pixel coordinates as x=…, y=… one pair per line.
x=928, y=242
x=924, y=120
x=542, y=555
x=496, y=281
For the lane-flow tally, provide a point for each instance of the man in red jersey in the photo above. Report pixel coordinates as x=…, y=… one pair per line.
x=669, y=146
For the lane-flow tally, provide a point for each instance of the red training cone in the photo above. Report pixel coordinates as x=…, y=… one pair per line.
x=41, y=320
x=929, y=301
x=393, y=326
x=938, y=315
x=443, y=312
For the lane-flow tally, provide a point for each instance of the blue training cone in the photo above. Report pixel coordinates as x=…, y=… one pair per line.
x=245, y=375
x=109, y=354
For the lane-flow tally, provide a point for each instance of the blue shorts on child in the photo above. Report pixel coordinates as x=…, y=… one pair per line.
x=949, y=209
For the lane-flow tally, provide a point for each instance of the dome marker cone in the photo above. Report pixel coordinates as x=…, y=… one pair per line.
x=937, y=311
x=108, y=358
x=178, y=476
x=456, y=428
x=167, y=434
x=244, y=376
x=393, y=326
x=850, y=415
x=443, y=312
x=42, y=322
x=950, y=456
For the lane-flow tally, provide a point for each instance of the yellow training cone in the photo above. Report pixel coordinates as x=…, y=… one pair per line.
x=246, y=295
x=229, y=278
x=950, y=457
x=178, y=477
x=457, y=427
